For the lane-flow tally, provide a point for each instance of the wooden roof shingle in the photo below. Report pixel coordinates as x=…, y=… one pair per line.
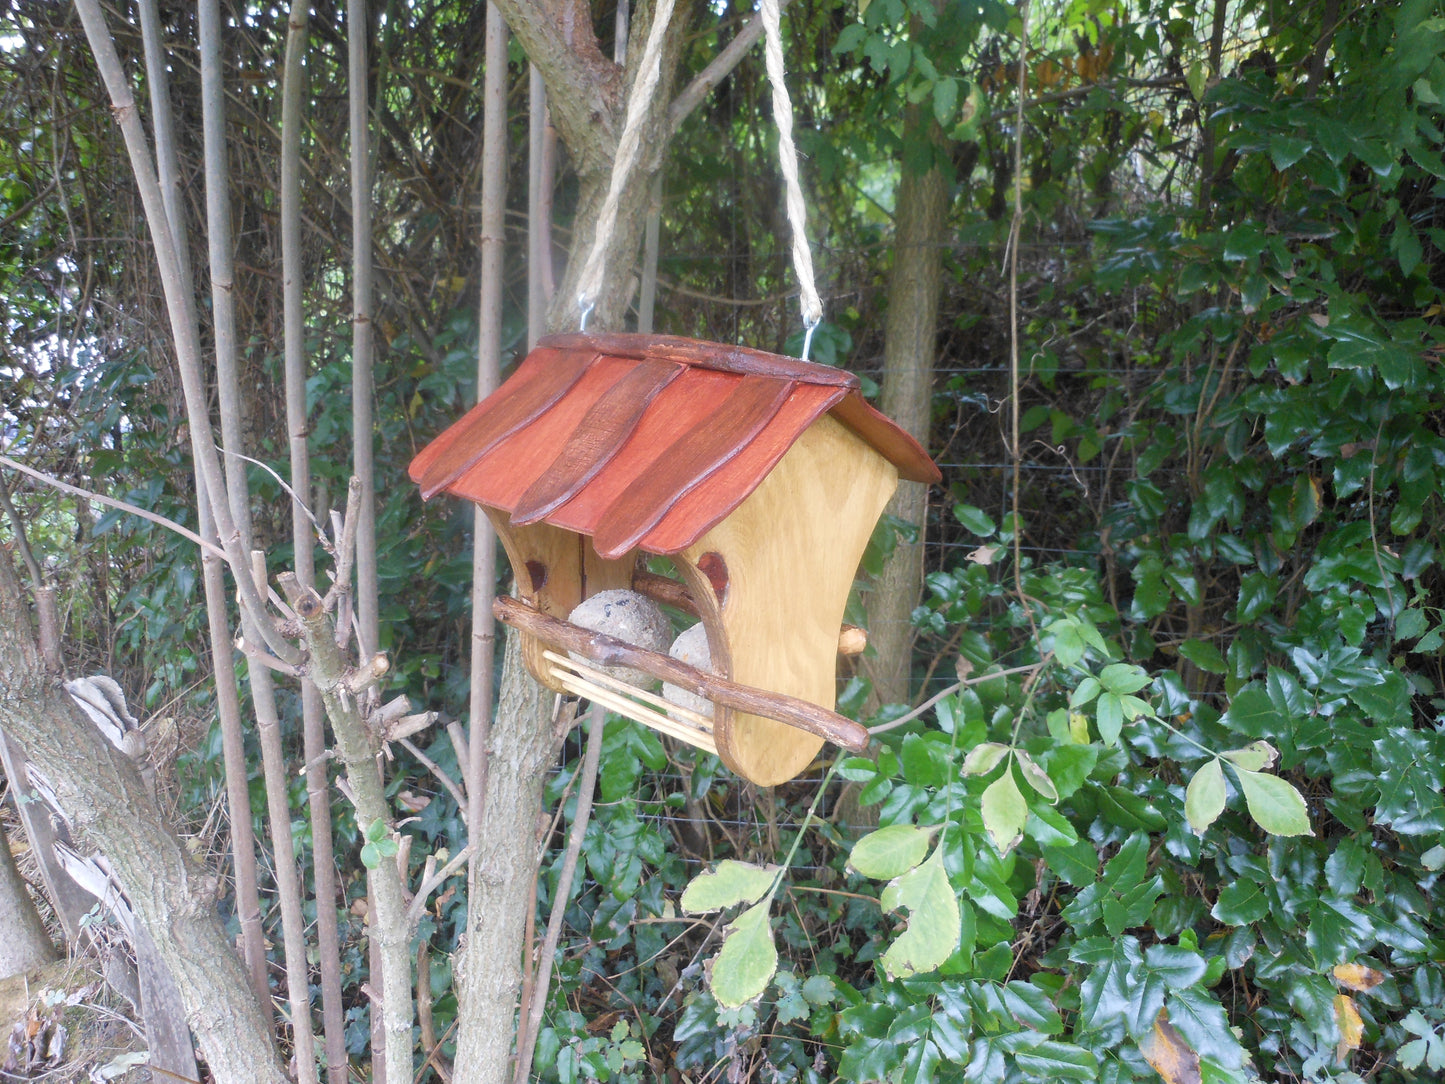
x=644, y=441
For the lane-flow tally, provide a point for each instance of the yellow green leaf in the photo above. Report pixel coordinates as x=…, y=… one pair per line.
x=1204, y=797
x=731, y=883
x=747, y=961
x=933, y=919
x=1274, y=803
x=1004, y=811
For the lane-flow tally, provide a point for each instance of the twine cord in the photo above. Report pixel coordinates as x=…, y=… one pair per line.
x=589, y=284
x=788, y=162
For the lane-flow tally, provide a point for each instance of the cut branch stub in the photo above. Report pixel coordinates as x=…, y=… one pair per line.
x=304, y=600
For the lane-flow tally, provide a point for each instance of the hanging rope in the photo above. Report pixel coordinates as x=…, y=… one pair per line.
x=589, y=284
x=788, y=161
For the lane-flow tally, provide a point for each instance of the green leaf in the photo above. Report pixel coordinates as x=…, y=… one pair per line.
x=1068, y=643
x=1176, y=965
x=370, y=856
x=731, y=883
x=945, y=100
x=850, y=38
x=1241, y=902
x=1004, y=811
x=1084, y=692
x=1338, y=931
x=984, y=758
x=1069, y=765
x=1410, y=768
x=747, y=961
x=1052, y=1060
x=1285, y=694
x=1078, y=865
x=1204, y=797
x=1050, y=828
x=1109, y=715
x=1274, y=803
x=1121, y=678
x=1285, y=151
x=933, y=919
x=974, y=520
x=1200, y=1018
x=1204, y=655
x=1251, y=713
x=925, y=760
x=890, y=852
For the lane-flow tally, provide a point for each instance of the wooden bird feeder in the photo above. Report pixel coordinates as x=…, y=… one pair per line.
x=760, y=477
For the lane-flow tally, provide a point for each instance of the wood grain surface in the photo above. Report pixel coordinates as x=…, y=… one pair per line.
x=609, y=423
x=705, y=355
x=689, y=460
x=539, y=382
x=792, y=550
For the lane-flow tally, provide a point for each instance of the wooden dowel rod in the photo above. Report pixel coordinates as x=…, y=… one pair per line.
x=852, y=640
x=633, y=710
x=607, y=681
x=665, y=590
x=609, y=651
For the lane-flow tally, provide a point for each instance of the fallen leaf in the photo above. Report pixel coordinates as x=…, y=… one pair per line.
x=1358, y=977
x=1352, y=1028
x=983, y=555
x=1172, y=1058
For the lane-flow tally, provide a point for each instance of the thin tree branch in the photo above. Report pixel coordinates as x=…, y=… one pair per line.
x=436, y=770
x=111, y=502
x=587, y=782
x=432, y=880
x=718, y=69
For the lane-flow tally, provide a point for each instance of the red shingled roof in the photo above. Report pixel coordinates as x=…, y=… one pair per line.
x=644, y=441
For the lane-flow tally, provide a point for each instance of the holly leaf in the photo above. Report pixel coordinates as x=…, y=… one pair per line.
x=1171, y=1057
x=1357, y=977
x=1352, y=1027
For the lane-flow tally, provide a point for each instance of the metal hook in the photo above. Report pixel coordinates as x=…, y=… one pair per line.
x=810, y=327
x=586, y=307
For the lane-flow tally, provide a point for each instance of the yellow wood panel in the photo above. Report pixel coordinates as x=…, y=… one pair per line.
x=792, y=550
x=573, y=571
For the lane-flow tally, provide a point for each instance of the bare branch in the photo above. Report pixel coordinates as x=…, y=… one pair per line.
x=436, y=770
x=111, y=502
x=717, y=70
x=431, y=881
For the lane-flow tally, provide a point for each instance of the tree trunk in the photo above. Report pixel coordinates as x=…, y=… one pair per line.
x=920, y=219
x=488, y=973
x=108, y=804
x=24, y=943
x=583, y=88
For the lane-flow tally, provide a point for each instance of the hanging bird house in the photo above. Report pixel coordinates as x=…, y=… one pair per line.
x=760, y=477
